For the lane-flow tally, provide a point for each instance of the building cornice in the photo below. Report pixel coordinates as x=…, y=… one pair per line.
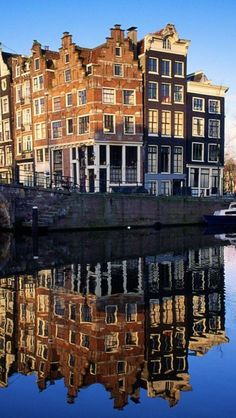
x=206, y=89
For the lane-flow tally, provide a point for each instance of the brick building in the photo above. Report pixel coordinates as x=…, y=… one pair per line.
x=124, y=113
x=6, y=127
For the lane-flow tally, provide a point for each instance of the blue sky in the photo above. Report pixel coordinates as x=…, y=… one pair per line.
x=209, y=24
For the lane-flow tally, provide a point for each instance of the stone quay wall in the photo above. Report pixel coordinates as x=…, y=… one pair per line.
x=58, y=210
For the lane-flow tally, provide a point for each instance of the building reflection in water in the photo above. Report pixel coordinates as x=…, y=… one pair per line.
x=126, y=324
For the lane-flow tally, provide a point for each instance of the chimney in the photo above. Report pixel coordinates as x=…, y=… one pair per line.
x=132, y=35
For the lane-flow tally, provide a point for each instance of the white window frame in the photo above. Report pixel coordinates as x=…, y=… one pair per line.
x=169, y=159
x=79, y=102
x=157, y=64
x=203, y=107
x=194, y=134
x=197, y=143
x=67, y=125
x=18, y=119
x=133, y=124
x=210, y=136
x=18, y=145
x=122, y=70
x=18, y=70
x=56, y=121
x=157, y=92
x=89, y=69
x=37, y=86
x=163, y=75
x=67, y=71
x=152, y=162
x=112, y=94
x=182, y=134
x=67, y=95
x=53, y=103
x=169, y=101
x=18, y=93
x=134, y=97
x=40, y=106
x=6, y=130
x=208, y=154
x=26, y=140
x=41, y=130
x=179, y=62
x=182, y=165
x=209, y=105
x=87, y=132
x=114, y=123
x=36, y=64
x=175, y=101
x=149, y=132
x=5, y=105
x=169, y=113
x=26, y=116
x=2, y=157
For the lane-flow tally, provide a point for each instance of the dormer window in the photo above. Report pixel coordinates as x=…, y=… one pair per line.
x=17, y=70
x=27, y=66
x=36, y=64
x=89, y=69
x=166, y=43
x=118, y=51
x=67, y=58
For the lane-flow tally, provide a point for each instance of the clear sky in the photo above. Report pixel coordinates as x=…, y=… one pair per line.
x=209, y=24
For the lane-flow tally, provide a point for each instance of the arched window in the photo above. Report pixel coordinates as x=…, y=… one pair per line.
x=166, y=43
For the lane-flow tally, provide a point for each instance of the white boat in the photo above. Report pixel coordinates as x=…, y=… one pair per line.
x=222, y=217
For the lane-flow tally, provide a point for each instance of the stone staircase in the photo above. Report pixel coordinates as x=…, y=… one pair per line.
x=48, y=214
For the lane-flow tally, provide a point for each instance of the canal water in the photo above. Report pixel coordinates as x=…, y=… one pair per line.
x=132, y=323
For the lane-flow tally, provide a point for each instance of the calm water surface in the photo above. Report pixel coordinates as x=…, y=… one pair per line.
x=122, y=323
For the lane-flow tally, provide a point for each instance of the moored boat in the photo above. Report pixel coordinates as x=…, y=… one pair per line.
x=222, y=217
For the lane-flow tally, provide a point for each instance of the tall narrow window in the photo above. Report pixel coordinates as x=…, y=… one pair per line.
x=198, y=127
x=179, y=69
x=166, y=123
x=109, y=124
x=152, y=90
x=166, y=68
x=178, y=160
x=153, y=65
x=197, y=152
x=152, y=159
x=179, y=124
x=57, y=129
x=213, y=106
x=214, y=128
x=165, y=93
x=82, y=97
x=129, y=125
x=213, y=153
x=165, y=159
x=178, y=93
x=83, y=125
x=153, y=122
